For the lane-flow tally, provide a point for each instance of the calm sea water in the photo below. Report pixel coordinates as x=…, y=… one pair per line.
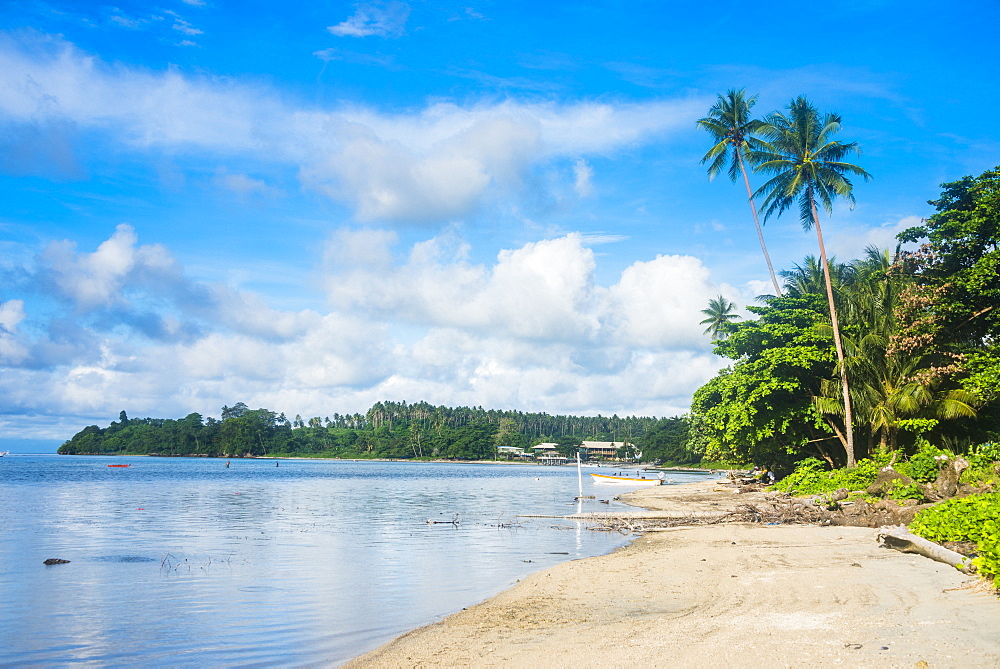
x=184, y=562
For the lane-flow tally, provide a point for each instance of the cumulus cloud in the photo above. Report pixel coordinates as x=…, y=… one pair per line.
x=385, y=19
x=440, y=163
x=850, y=238
x=658, y=303
x=140, y=286
x=531, y=329
x=542, y=291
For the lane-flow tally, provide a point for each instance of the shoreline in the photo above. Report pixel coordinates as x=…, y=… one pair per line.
x=720, y=595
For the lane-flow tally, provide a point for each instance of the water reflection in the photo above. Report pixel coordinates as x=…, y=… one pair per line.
x=187, y=562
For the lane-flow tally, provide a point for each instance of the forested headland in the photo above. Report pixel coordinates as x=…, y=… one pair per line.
x=396, y=430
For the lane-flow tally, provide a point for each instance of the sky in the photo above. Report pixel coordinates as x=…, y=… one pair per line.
x=313, y=207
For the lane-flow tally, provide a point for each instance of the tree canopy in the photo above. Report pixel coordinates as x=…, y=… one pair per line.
x=920, y=338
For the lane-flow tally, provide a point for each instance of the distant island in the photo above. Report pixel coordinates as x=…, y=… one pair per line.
x=389, y=430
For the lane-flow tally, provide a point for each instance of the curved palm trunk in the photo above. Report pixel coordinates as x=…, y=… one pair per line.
x=848, y=417
x=756, y=221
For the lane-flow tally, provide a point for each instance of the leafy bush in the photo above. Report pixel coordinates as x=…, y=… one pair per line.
x=975, y=518
x=809, y=478
x=902, y=490
x=926, y=463
x=984, y=456
x=812, y=477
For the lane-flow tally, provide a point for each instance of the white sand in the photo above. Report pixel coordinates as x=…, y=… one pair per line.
x=722, y=596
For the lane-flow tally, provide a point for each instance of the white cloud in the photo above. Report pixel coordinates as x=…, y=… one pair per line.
x=126, y=22
x=658, y=303
x=584, y=173
x=847, y=238
x=385, y=19
x=440, y=163
x=183, y=26
x=93, y=279
x=12, y=350
x=245, y=185
x=531, y=329
x=142, y=286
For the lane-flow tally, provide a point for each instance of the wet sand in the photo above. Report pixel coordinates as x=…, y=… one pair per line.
x=733, y=595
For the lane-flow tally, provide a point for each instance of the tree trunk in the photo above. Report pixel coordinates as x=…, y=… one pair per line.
x=904, y=541
x=756, y=222
x=845, y=389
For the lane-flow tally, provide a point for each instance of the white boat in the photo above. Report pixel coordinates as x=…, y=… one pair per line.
x=3, y=453
x=629, y=479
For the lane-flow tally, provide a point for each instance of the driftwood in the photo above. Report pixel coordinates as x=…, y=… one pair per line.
x=901, y=539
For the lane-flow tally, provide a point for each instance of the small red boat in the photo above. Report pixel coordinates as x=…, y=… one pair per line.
x=119, y=465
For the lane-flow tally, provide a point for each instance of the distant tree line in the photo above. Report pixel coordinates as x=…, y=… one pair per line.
x=395, y=430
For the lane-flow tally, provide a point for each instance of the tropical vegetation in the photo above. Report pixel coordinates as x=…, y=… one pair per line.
x=735, y=134
x=396, y=430
x=884, y=354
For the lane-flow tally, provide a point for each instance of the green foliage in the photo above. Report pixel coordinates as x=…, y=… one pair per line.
x=984, y=465
x=925, y=465
x=389, y=430
x=902, y=490
x=759, y=410
x=811, y=477
x=959, y=270
x=985, y=453
x=668, y=441
x=814, y=477
x=976, y=519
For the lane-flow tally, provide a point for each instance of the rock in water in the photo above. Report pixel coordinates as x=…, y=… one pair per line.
x=56, y=561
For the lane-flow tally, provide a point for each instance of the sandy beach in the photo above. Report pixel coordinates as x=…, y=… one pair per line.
x=734, y=595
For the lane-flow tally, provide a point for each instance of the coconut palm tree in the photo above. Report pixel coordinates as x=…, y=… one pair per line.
x=808, y=277
x=729, y=123
x=720, y=315
x=887, y=389
x=808, y=167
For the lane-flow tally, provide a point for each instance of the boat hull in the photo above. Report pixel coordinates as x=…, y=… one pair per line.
x=626, y=480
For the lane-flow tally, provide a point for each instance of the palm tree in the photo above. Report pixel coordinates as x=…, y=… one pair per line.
x=808, y=167
x=720, y=316
x=888, y=386
x=806, y=278
x=729, y=123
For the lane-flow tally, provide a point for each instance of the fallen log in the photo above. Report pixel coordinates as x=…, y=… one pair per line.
x=901, y=539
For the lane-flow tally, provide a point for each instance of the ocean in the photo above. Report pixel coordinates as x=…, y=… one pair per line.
x=187, y=562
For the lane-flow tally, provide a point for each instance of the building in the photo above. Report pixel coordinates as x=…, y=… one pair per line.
x=607, y=450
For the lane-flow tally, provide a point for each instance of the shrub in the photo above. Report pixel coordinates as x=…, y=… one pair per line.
x=811, y=476
x=975, y=518
x=926, y=463
x=902, y=490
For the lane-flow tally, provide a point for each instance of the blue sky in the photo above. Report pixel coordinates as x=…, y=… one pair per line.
x=315, y=208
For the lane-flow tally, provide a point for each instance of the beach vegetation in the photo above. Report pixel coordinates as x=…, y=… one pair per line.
x=809, y=169
x=814, y=477
x=735, y=134
x=720, y=315
x=969, y=519
x=919, y=332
